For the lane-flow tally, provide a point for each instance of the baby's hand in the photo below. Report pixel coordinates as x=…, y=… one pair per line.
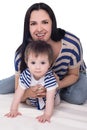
x=43, y=118
x=13, y=114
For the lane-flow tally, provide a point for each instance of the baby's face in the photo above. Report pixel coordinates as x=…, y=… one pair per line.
x=38, y=65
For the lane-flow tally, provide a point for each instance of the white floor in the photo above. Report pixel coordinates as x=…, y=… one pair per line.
x=66, y=117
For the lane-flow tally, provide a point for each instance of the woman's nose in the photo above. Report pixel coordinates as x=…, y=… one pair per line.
x=39, y=27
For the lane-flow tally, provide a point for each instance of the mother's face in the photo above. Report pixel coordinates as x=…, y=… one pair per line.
x=40, y=25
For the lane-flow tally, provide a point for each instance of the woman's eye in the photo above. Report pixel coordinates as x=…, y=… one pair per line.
x=45, y=22
x=33, y=23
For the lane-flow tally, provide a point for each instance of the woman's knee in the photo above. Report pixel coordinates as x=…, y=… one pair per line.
x=7, y=85
x=76, y=99
x=77, y=93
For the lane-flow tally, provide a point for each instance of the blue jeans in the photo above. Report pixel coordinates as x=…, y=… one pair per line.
x=76, y=93
x=7, y=85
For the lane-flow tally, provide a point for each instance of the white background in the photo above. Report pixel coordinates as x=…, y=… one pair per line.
x=71, y=15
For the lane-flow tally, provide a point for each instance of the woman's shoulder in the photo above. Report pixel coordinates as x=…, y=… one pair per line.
x=71, y=40
x=17, y=55
x=70, y=36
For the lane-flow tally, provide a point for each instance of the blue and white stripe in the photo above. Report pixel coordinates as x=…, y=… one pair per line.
x=49, y=83
x=71, y=56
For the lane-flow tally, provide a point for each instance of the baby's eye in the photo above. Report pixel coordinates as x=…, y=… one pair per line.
x=33, y=62
x=42, y=62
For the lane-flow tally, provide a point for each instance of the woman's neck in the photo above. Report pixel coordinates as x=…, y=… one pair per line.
x=56, y=46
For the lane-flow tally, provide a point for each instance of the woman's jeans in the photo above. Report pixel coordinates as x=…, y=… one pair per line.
x=75, y=94
x=7, y=85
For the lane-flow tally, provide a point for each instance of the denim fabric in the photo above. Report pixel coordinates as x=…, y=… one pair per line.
x=76, y=93
x=7, y=85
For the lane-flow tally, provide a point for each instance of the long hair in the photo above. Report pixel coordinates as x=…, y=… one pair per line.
x=56, y=35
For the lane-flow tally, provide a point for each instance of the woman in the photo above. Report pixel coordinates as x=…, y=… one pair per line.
x=69, y=67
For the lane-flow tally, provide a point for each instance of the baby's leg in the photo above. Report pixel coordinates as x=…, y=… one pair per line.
x=57, y=99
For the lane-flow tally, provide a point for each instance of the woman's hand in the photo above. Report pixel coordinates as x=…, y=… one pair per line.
x=34, y=92
x=39, y=90
x=71, y=78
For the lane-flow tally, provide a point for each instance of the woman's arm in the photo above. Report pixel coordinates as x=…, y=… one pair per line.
x=34, y=92
x=16, y=81
x=69, y=79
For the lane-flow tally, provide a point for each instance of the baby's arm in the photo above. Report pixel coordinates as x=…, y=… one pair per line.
x=49, y=107
x=15, y=103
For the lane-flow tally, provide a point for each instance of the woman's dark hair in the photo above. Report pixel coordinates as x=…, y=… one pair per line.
x=56, y=35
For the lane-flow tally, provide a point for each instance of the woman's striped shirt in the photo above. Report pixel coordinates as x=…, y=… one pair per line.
x=70, y=56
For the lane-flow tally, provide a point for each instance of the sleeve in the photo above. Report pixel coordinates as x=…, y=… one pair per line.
x=76, y=54
x=50, y=81
x=17, y=61
x=25, y=79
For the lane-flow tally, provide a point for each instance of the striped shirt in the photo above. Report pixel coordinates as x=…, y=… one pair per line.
x=27, y=80
x=70, y=56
